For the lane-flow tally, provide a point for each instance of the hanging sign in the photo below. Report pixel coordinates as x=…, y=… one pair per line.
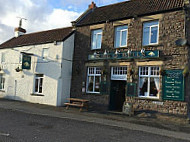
x=26, y=61
x=173, y=85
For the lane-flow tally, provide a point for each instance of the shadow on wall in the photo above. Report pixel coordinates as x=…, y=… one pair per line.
x=17, y=98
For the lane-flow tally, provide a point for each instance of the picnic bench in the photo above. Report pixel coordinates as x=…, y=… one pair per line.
x=77, y=103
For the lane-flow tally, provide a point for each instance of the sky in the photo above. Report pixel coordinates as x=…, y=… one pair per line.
x=41, y=14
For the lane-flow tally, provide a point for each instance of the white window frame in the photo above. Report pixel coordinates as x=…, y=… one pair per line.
x=2, y=57
x=150, y=29
x=149, y=76
x=20, y=58
x=41, y=76
x=45, y=57
x=2, y=81
x=95, y=35
x=120, y=38
x=92, y=75
x=119, y=73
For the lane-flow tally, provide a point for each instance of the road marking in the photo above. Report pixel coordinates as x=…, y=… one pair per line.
x=4, y=134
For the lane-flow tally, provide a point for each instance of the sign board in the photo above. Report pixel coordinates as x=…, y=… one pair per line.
x=26, y=61
x=103, y=87
x=131, y=89
x=173, y=85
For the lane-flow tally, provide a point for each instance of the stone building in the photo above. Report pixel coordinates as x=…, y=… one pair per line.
x=37, y=67
x=134, y=51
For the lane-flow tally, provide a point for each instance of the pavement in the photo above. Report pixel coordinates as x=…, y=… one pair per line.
x=155, y=123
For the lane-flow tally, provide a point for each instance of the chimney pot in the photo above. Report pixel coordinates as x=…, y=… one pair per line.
x=92, y=5
x=19, y=31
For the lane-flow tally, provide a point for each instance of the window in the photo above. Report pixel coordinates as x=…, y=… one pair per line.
x=149, y=82
x=2, y=82
x=38, y=83
x=45, y=53
x=96, y=39
x=2, y=57
x=121, y=36
x=93, y=80
x=150, y=33
x=20, y=58
x=119, y=73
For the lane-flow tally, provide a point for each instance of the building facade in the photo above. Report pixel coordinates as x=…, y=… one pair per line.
x=135, y=51
x=37, y=67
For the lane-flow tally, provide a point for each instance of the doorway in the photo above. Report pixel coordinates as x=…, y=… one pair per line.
x=117, y=95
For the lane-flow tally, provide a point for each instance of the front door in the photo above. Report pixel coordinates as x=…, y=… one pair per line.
x=117, y=95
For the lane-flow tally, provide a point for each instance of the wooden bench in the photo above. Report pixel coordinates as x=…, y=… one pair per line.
x=77, y=103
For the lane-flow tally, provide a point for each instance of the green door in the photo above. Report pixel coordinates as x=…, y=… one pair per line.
x=117, y=95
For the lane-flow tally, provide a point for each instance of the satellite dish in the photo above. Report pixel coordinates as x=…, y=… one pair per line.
x=181, y=42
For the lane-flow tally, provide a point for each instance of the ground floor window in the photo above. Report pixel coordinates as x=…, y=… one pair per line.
x=93, y=79
x=38, y=83
x=2, y=82
x=149, y=82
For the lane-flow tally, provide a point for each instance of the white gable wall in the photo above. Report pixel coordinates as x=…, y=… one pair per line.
x=20, y=85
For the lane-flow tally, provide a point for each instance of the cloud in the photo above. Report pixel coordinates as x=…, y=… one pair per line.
x=39, y=14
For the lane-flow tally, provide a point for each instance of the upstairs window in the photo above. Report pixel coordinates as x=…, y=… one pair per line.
x=96, y=39
x=121, y=36
x=45, y=52
x=20, y=58
x=150, y=33
x=2, y=57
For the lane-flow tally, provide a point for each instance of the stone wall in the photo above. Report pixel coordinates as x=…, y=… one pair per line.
x=171, y=107
x=171, y=28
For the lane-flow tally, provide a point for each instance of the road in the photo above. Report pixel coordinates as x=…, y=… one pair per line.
x=16, y=126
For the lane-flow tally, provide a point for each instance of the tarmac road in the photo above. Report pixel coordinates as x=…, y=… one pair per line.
x=16, y=126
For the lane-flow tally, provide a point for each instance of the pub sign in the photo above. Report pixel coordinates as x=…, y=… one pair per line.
x=173, y=85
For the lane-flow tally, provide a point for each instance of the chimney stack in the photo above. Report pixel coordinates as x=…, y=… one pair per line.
x=92, y=5
x=19, y=30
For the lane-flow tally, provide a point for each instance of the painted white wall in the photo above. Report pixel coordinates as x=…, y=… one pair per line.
x=66, y=72
x=20, y=85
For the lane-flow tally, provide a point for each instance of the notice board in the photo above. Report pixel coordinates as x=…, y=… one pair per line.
x=173, y=85
x=131, y=89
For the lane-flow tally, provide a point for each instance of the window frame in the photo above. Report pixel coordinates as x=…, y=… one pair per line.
x=38, y=77
x=148, y=76
x=120, y=36
x=2, y=77
x=43, y=49
x=120, y=72
x=3, y=57
x=96, y=35
x=94, y=80
x=150, y=29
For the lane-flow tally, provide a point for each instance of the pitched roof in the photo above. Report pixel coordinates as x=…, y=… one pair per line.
x=129, y=9
x=38, y=38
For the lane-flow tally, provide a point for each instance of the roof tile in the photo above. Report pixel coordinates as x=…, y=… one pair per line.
x=129, y=9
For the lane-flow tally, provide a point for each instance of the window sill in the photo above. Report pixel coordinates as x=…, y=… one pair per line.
x=2, y=90
x=34, y=94
x=147, y=98
x=152, y=45
x=92, y=93
x=120, y=47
